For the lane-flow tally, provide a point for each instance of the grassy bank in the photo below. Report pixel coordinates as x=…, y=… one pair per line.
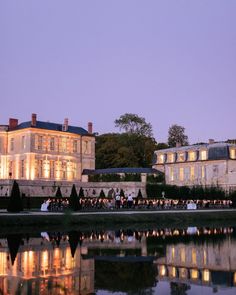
x=140, y=219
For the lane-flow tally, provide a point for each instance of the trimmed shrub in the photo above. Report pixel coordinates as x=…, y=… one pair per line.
x=139, y=195
x=74, y=199
x=102, y=194
x=81, y=193
x=58, y=193
x=122, y=194
x=15, y=202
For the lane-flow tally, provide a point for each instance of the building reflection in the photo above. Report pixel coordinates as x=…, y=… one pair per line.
x=42, y=268
x=65, y=263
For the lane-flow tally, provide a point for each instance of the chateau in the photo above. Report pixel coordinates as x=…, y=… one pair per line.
x=37, y=150
x=209, y=164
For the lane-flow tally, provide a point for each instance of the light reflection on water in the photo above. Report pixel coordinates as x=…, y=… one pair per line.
x=155, y=261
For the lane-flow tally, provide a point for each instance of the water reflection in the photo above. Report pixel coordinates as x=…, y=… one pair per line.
x=129, y=260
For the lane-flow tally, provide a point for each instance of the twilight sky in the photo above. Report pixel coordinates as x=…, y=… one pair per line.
x=171, y=62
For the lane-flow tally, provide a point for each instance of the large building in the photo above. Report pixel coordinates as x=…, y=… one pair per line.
x=37, y=150
x=212, y=164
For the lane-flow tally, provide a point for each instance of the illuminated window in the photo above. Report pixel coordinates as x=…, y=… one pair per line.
x=63, y=166
x=194, y=274
x=161, y=158
x=23, y=142
x=235, y=278
x=171, y=174
x=181, y=157
x=170, y=158
x=63, y=144
x=52, y=169
x=194, y=256
x=40, y=142
x=182, y=255
x=22, y=168
x=12, y=145
x=181, y=174
x=86, y=151
x=162, y=270
x=172, y=272
x=10, y=169
x=203, y=155
x=203, y=172
x=183, y=273
x=52, y=144
x=75, y=146
x=40, y=168
x=206, y=275
x=232, y=153
x=192, y=156
x=204, y=257
x=172, y=253
x=192, y=172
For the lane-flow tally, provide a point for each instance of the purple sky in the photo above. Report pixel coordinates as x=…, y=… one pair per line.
x=171, y=62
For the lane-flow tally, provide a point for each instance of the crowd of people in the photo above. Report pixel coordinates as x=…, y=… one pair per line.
x=55, y=204
x=119, y=203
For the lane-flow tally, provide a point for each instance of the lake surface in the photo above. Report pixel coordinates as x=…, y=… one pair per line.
x=174, y=261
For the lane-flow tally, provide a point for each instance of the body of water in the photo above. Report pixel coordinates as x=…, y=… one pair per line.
x=174, y=261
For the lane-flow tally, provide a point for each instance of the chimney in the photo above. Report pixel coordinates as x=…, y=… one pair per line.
x=211, y=141
x=13, y=123
x=178, y=144
x=65, y=125
x=90, y=127
x=33, y=120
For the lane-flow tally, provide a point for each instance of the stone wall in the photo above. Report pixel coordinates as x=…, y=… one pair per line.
x=91, y=189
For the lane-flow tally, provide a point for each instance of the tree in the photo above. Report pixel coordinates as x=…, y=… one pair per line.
x=58, y=193
x=74, y=200
x=162, y=146
x=139, y=196
x=102, y=194
x=124, y=150
x=132, y=123
x=176, y=136
x=15, y=202
x=81, y=193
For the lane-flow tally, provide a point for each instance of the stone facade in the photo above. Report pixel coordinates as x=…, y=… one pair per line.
x=212, y=164
x=39, y=188
x=37, y=150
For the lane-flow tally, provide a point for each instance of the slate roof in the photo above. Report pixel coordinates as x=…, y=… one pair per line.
x=52, y=126
x=121, y=170
x=216, y=151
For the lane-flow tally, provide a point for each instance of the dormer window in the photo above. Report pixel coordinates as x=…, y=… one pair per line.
x=232, y=152
x=203, y=155
x=171, y=158
x=191, y=156
x=161, y=158
x=181, y=157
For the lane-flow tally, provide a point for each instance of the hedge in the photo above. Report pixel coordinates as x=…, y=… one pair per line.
x=185, y=193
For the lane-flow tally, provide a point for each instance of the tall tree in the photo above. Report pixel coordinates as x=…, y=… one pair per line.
x=124, y=150
x=15, y=202
x=132, y=123
x=176, y=135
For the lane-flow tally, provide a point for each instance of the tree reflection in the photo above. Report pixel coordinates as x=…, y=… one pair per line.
x=14, y=241
x=75, y=238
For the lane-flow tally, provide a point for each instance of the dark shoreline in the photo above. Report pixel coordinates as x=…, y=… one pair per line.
x=30, y=221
